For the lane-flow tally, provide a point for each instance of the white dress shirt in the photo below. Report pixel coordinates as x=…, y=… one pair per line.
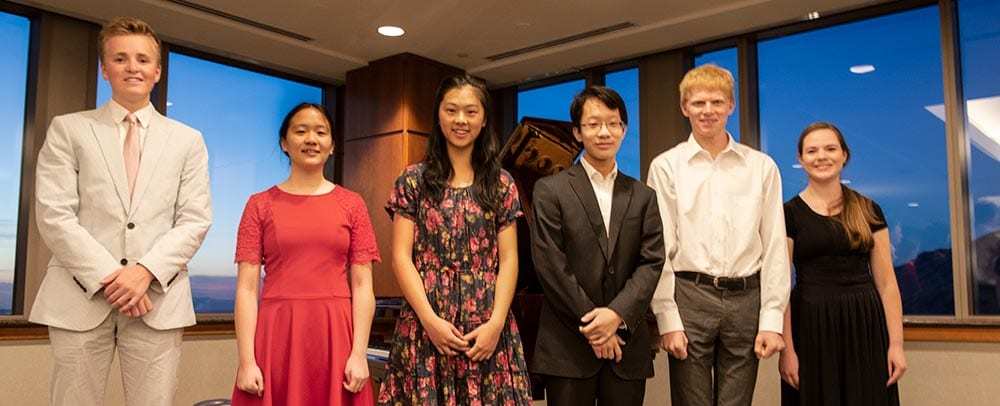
x=143, y=116
x=604, y=187
x=722, y=217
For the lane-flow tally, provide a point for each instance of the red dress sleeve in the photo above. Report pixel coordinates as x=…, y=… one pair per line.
x=364, y=248
x=249, y=238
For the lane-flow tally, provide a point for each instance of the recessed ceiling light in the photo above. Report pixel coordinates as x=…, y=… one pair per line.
x=913, y=204
x=797, y=166
x=391, y=31
x=812, y=16
x=862, y=69
x=170, y=103
x=845, y=181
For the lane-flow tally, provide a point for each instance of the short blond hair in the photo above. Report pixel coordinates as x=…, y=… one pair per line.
x=126, y=26
x=707, y=77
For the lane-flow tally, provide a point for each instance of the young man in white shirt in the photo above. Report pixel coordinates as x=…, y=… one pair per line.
x=721, y=297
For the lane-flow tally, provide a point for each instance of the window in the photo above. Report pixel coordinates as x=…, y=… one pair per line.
x=880, y=81
x=551, y=102
x=726, y=58
x=15, y=30
x=238, y=112
x=103, y=88
x=626, y=83
x=980, y=51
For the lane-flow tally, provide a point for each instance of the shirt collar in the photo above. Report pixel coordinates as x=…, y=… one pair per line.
x=143, y=115
x=732, y=147
x=593, y=174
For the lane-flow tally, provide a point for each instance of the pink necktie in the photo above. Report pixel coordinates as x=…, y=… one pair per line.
x=132, y=152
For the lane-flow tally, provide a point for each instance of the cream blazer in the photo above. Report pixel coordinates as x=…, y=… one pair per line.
x=85, y=217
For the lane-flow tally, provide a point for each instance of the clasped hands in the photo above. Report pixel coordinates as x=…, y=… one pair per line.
x=600, y=327
x=125, y=290
x=449, y=340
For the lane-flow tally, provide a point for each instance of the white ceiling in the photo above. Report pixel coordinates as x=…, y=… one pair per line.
x=459, y=33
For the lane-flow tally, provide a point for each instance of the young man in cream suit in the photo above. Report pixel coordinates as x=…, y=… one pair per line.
x=122, y=199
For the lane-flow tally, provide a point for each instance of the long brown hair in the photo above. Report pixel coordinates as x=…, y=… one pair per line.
x=856, y=212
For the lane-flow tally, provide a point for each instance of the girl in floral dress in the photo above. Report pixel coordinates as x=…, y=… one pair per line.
x=454, y=254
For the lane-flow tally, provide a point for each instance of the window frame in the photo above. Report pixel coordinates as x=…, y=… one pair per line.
x=27, y=157
x=963, y=325
x=16, y=327
x=222, y=323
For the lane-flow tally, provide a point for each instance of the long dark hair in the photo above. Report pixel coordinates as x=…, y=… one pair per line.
x=857, y=212
x=485, y=161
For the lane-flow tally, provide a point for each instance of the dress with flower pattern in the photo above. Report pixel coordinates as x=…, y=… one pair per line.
x=456, y=254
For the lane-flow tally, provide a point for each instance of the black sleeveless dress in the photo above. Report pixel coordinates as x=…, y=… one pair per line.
x=838, y=322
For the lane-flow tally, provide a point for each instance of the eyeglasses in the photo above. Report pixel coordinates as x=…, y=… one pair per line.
x=613, y=126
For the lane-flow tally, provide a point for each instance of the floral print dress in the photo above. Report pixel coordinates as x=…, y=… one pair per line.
x=455, y=251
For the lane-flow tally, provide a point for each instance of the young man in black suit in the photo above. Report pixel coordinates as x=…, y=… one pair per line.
x=597, y=245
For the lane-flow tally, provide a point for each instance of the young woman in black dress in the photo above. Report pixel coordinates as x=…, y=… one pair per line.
x=845, y=315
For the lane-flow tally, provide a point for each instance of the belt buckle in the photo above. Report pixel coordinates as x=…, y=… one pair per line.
x=715, y=282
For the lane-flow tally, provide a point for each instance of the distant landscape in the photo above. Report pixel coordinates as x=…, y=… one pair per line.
x=926, y=280
x=213, y=294
x=6, y=296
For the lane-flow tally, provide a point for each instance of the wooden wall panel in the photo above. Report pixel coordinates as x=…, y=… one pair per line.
x=663, y=125
x=389, y=107
x=423, y=76
x=372, y=167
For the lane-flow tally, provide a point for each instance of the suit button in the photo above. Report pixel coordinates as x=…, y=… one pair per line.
x=123, y=261
x=130, y=226
x=611, y=270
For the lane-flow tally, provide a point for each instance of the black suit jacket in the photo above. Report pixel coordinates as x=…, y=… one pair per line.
x=582, y=267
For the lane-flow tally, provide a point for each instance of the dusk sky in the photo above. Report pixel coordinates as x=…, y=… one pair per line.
x=239, y=113
x=13, y=76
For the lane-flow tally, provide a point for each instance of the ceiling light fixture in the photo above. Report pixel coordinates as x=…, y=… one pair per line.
x=862, y=69
x=812, y=15
x=391, y=31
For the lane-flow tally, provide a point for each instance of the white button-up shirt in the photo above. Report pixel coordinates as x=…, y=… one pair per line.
x=143, y=116
x=721, y=217
x=604, y=187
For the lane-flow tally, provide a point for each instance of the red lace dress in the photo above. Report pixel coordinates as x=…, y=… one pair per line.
x=304, y=323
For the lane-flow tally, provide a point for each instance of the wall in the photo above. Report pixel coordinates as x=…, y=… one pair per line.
x=939, y=374
x=207, y=371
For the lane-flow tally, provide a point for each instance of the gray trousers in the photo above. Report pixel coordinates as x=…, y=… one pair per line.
x=721, y=326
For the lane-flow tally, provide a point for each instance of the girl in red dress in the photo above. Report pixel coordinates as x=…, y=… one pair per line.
x=305, y=343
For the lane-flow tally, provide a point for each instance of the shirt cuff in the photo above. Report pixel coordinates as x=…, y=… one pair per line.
x=772, y=320
x=669, y=321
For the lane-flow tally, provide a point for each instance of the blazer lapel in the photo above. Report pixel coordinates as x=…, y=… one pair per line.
x=106, y=133
x=152, y=150
x=585, y=192
x=620, y=201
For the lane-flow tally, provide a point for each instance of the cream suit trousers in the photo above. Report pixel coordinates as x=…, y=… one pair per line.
x=149, y=360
